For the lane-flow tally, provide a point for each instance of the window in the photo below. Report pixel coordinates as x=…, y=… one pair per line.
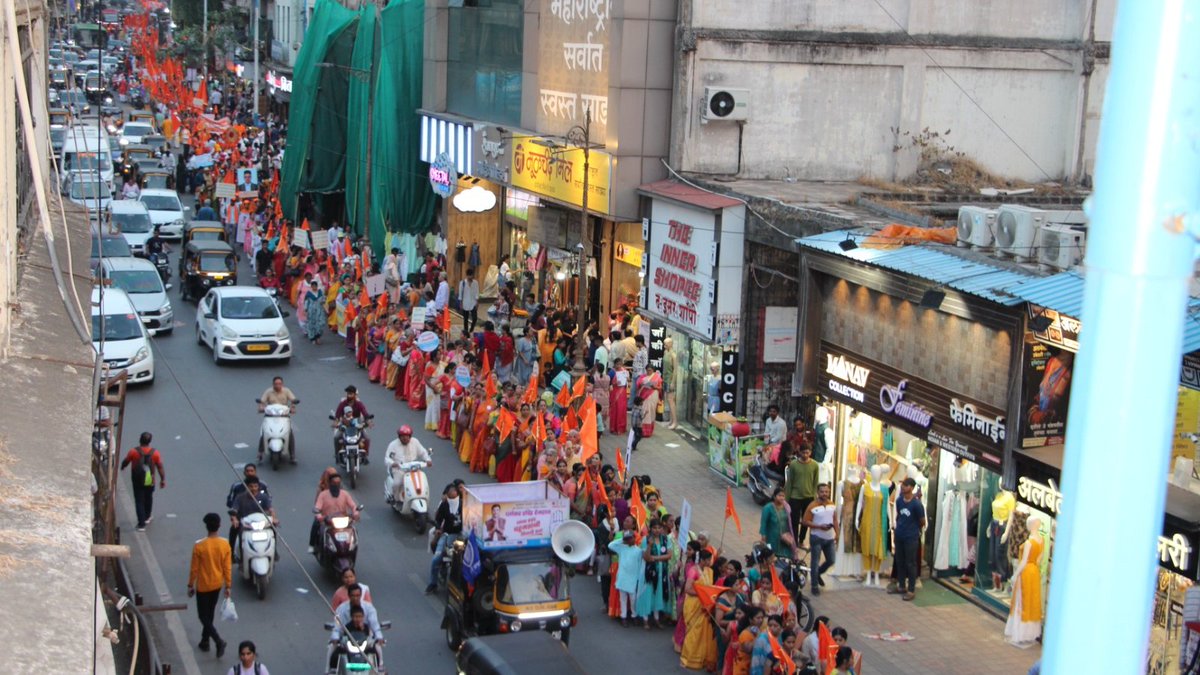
x=484, y=53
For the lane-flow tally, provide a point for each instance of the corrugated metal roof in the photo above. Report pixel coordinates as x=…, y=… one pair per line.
x=979, y=279
x=1191, y=327
x=1061, y=292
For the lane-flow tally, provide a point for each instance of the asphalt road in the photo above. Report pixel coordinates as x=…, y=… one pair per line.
x=203, y=418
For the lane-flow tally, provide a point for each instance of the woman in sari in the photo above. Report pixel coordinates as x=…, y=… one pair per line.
x=618, y=400
x=391, y=370
x=448, y=390
x=747, y=632
x=506, y=458
x=700, y=642
x=649, y=386
x=601, y=391
x=314, y=313
x=377, y=354
x=414, y=379
x=479, y=430
x=433, y=389
x=406, y=351
x=691, y=559
x=465, y=420
x=337, y=312
x=364, y=323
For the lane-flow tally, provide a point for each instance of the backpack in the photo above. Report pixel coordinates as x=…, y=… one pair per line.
x=142, y=466
x=236, y=669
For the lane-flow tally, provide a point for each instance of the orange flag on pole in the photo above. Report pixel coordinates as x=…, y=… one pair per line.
x=539, y=430
x=621, y=465
x=489, y=387
x=588, y=435
x=826, y=648
x=505, y=423
x=330, y=268
x=789, y=666
x=707, y=595
x=303, y=224
x=382, y=305
x=531, y=392
x=636, y=507
x=364, y=299
x=358, y=269
x=731, y=511
x=486, y=369
x=580, y=387
x=564, y=397
x=570, y=421
x=779, y=589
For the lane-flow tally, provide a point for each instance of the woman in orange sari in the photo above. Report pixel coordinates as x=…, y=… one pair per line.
x=406, y=349
x=377, y=354
x=479, y=431
x=416, y=379
x=391, y=371
x=464, y=420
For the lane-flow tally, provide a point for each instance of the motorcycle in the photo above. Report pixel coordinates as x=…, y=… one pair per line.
x=339, y=544
x=356, y=653
x=347, y=444
x=413, y=499
x=162, y=265
x=762, y=480
x=257, y=549
x=794, y=575
x=276, y=431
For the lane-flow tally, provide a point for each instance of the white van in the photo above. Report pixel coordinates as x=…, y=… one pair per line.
x=139, y=278
x=84, y=149
x=126, y=342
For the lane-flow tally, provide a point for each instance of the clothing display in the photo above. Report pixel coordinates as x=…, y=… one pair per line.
x=998, y=551
x=1018, y=532
x=848, y=562
x=950, y=547
x=1024, y=623
x=820, y=447
x=873, y=521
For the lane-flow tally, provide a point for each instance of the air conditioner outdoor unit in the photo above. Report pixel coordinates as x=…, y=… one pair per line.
x=723, y=103
x=1017, y=230
x=976, y=227
x=1061, y=246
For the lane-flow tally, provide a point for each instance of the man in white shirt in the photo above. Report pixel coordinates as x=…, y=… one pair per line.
x=401, y=451
x=468, y=300
x=441, y=299
x=821, y=519
x=774, y=426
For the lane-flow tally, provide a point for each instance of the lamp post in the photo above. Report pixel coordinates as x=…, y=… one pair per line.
x=581, y=137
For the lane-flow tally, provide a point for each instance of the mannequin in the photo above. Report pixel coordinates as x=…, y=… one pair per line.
x=1024, y=623
x=951, y=547
x=849, y=559
x=870, y=516
x=1002, y=509
x=822, y=444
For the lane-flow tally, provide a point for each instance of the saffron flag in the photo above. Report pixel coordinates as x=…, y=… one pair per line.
x=580, y=387
x=444, y=320
x=489, y=387
x=303, y=224
x=330, y=268
x=382, y=305
x=621, y=465
x=826, y=648
x=731, y=511
x=487, y=365
x=588, y=434
x=779, y=589
x=364, y=300
x=531, y=392
x=570, y=421
x=564, y=397
x=707, y=595
x=636, y=508
x=785, y=661
x=539, y=429
x=505, y=423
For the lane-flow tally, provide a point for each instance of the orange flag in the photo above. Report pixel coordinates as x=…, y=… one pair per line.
x=570, y=421
x=486, y=369
x=279, y=214
x=358, y=270
x=621, y=464
x=364, y=299
x=588, y=435
x=303, y=225
x=444, y=319
x=707, y=595
x=539, y=430
x=329, y=268
x=779, y=589
x=564, y=397
x=580, y=387
x=636, y=508
x=604, y=497
x=730, y=511
x=531, y=392
x=489, y=387
x=826, y=647
x=789, y=666
x=382, y=305
x=505, y=423
x=347, y=250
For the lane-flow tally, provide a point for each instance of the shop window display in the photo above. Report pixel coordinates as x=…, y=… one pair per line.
x=1176, y=601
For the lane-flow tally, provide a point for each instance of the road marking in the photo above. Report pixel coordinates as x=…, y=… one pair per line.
x=239, y=446
x=672, y=445
x=174, y=622
x=303, y=591
x=171, y=515
x=331, y=358
x=178, y=438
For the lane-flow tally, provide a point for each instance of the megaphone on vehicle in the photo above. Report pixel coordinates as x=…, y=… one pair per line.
x=573, y=542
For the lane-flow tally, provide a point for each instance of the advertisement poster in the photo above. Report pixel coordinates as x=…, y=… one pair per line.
x=247, y=183
x=514, y=515
x=1187, y=425
x=1047, y=394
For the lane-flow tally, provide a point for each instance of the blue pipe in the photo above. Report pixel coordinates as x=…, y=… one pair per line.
x=1123, y=397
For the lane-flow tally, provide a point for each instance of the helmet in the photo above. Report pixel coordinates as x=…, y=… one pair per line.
x=404, y=430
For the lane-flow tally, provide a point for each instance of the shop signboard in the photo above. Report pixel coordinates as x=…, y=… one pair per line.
x=573, y=66
x=279, y=82
x=550, y=169
x=491, y=155
x=1046, y=394
x=1062, y=331
x=1189, y=375
x=442, y=175
x=728, y=386
x=628, y=253
x=656, y=350
x=947, y=419
x=681, y=262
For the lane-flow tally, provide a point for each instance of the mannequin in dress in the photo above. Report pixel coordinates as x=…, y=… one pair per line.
x=823, y=444
x=1002, y=509
x=1024, y=623
x=849, y=559
x=871, y=518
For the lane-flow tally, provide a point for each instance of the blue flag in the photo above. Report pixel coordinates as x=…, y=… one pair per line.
x=471, y=563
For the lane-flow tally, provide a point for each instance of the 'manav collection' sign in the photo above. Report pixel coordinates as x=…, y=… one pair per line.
x=946, y=419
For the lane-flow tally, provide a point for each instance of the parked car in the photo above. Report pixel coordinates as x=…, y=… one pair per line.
x=119, y=337
x=242, y=322
x=166, y=211
x=139, y=278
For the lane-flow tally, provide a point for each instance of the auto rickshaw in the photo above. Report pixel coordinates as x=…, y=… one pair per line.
x=204, y=230
x=158, y=179
x=528, y=652
x=204, y=265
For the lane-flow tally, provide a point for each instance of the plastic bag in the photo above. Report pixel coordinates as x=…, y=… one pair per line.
x=228, y=610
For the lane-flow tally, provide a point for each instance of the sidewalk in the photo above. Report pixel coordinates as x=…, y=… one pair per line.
x=951, y=635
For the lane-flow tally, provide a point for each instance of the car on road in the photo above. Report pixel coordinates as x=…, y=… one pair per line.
x=166, y=211
x=112, y=245
x=132, y=218
x=135, y=131
x=139, y=279
x=242, y=323
x=119, y=337
x=93, y=194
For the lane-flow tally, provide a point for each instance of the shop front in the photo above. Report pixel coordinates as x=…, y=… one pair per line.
x=692, y=274
x=279, y=91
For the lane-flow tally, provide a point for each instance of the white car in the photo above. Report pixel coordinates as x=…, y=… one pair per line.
x=135, y=131
x=140, y=280
x=242, y=323
x=94, y=195
x=166, y=211
x=126, y=344
x=132, y=219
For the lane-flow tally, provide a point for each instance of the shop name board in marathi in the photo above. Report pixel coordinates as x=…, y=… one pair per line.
x=966, y=415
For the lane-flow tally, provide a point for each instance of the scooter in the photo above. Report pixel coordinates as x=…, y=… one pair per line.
x=257, y=550
x=761, y=480
x=339, y=544
x=356, y=652
x=163, y=265
x=276, y=432
x=348, y=446
x=413, y=499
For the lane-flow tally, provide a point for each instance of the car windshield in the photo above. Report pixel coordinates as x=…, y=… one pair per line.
x=137, y=281
x=74, y=97
x=114, y=247
x=155, y=141
x=248, y=307
x=521, y=583
x=88, y=189
x=206, y=235
x=86, y=161
x=160, y=203
x=137, y=129
x=218, y=262
x=92, y=81
x=134, y=223
x=117, y=327
x=156, y=181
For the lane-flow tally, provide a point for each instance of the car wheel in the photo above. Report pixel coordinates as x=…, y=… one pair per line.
x=216, y=353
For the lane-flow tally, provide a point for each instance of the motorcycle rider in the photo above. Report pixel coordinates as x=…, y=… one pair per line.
x=249, y=501
x=358, y=619
x=358, y=411
x=448, y=525
x=238, y=488
x=401, y=451
x=155, y=244
x=332, y=501
x=277, y=394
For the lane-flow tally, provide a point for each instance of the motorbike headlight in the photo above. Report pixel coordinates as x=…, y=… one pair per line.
x=141, y=355
x=108, y=100
x=282, y=333
x=228, y=333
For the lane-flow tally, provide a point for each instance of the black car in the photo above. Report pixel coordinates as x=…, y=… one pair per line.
x=527, y=653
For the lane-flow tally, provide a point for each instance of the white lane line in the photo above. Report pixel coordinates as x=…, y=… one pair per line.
x=174, y=622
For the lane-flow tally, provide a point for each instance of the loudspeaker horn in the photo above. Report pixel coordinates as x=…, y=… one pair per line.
x=573, y=542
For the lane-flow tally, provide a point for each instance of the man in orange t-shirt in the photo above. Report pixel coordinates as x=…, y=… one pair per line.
x=212, y=568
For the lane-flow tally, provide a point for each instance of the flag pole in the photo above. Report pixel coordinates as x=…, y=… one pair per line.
x=724, y=524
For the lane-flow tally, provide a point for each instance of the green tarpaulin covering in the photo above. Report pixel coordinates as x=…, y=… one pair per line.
x=328, y=138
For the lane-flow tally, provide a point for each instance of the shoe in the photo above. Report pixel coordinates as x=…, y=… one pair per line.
x=149, y=520
x=221, y=648
x=141, y=528
x=203, y=646
x=821, y=580
x=909, y=596
x=259, y=460
x=816, y=590
x=430, y=589
x=893, y=590
x=292, y=460
x=312, y=549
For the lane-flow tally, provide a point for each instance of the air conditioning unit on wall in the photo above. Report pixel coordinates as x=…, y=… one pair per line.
x=724, y=103
x=976, y=227
x=1017, y=230
x=1062, y=246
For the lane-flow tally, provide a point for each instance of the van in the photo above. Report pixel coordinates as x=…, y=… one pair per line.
x=132, y=218
x=84, y=149
x=126, y=344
